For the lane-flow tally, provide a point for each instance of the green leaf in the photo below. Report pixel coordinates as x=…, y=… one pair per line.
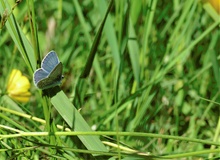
x=74, y=119
x=18, y=37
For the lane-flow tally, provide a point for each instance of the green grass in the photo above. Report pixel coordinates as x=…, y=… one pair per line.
x=142, y=84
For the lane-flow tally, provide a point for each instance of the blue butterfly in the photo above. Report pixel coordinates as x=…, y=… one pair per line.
x=50, y=73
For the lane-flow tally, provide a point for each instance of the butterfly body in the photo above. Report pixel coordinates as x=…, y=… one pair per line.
x=50, y=73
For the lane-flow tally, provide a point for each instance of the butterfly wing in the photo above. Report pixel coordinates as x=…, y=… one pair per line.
x=39, y=74
x=53, y=79
x=49, y=62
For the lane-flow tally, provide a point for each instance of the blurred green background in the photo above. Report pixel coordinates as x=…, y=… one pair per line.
x=156, y=69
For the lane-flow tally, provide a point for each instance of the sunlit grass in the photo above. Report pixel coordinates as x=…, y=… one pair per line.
x=144, y=83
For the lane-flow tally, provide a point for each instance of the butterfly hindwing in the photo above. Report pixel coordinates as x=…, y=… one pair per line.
x=39, y=74
x=53, y=79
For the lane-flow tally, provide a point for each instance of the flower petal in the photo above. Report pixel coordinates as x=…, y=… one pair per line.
x=18, y=86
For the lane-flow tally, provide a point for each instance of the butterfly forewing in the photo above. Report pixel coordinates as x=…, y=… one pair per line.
x=50, y=61
x=53, y=79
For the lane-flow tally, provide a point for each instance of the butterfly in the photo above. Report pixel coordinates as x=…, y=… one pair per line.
x=50, y=73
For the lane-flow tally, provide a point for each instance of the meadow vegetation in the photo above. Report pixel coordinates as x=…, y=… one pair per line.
x=141, y=80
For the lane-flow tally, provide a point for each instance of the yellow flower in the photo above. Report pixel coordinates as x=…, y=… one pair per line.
x=18, y=86
x=216, y=5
